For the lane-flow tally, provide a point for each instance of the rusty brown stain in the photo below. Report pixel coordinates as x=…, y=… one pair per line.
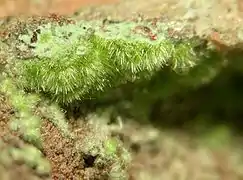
x=43, y=7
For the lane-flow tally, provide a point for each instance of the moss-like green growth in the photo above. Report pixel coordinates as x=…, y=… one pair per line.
x=26, y=154
x=32, y=157
x=29, y=111
x=77, y=61
x=55, y=115
x=24, y=119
